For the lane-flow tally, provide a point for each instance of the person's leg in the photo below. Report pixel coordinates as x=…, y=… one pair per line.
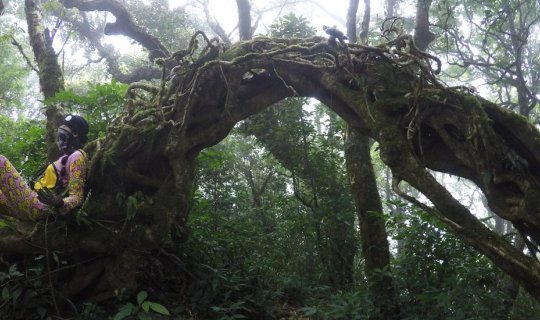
x=16, y=197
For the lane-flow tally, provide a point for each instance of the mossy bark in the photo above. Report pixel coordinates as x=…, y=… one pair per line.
x=374, y=239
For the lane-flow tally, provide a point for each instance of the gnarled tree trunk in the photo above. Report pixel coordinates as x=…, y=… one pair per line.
x=393, y=97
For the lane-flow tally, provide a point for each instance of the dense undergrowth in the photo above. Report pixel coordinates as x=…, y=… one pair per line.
x=236, y=271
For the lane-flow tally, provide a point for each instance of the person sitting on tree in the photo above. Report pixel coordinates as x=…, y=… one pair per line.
x=60, y=185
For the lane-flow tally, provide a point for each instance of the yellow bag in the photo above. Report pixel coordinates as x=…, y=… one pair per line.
x=52, y=177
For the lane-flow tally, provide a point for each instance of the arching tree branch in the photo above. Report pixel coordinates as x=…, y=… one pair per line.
x=390, y=93
x=124, y=24
x=82, y=26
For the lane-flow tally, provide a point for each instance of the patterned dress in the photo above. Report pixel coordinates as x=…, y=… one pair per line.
x=22, y=202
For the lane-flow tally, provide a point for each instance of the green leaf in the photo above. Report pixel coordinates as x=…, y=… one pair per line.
x=5, y=293
x=16, y=295
x=156, y=307
x=141, y=297
x=124, y=312
x=55, y=258
x=13, y=271
x=146, y=306
x=120, y=198
x=132, y=206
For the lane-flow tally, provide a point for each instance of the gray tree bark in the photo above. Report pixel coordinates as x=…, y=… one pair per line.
x=51, y=79
x=422, y=35
x=244, y=19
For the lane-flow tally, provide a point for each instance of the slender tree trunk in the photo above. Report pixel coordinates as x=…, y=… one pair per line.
x=364, y=33
x=526, y=101
x=422, y=35
x=375, y=246
x=244, y=19
x=51, y=79
x=351, y=20
x=257, y=192
x=214, y=24
x=390, y=8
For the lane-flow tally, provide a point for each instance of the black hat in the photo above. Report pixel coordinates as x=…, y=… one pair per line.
x=77, y=124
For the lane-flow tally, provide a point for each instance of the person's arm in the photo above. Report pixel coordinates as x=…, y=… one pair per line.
x=76, y=167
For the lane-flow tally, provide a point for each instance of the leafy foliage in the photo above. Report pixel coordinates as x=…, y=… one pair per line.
x=13, y=71
x=242, y=271
x=22, y=142
x=291, y=26
x=144, y=309
x=171, y=25
x=439, y=277
x=498, y=50
x=99, y=104
x=24, y=295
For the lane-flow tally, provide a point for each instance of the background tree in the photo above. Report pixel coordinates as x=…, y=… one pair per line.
x=244, y=19
x=500, y=46
x=373, y=235
x=13, y=82
x=50, y=75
